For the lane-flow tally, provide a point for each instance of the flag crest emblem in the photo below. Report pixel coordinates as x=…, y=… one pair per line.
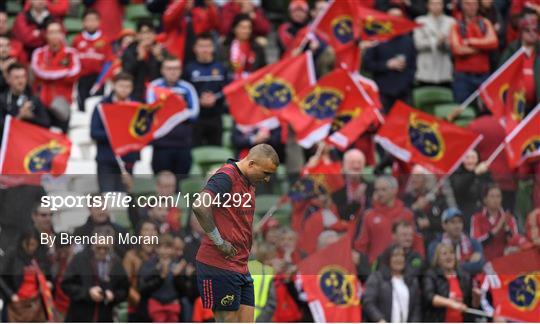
x=523, y=292
x=518, y=105
x=142, y=121
x=532, y=145
x=425, y=137
x=271, y=92
x=336, y=286
x=322, y=102
x=374, y=27
x=40, y=159
x=342, y=28
x=342, y=118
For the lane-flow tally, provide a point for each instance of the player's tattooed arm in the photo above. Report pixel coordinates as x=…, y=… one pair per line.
x=206, y=219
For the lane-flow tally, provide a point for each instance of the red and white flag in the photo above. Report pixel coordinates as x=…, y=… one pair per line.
x=523, y=143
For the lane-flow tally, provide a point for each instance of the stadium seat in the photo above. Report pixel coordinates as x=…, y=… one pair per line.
x=466, y=117
x=143, y=185
x=192, y=184
x=73, y=25
x=425, y=98
x=227, y=122
x=195, y=170
x=206, y=156
x=226, y=139
x=137, y=11
x=13, y=7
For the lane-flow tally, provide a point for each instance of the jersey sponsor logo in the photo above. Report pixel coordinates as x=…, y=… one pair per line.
x=338, y=286
x=227, y=300
x=271, y=92
x=524, y=291
x=425, y=137
x=374, y=27
x=40, y=159
x=142, y=121
x=342, y=28
x=322, y=102
x=532, y=145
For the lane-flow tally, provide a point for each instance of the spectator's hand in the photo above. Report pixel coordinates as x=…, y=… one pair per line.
x=109, y=296
x=36, y=33
x=26, y=111
x=454, y=113
x=481, y=168
x=96, y=294
x=15, y=298
x=458, y=306
x=127, y=180
x=227, y=249
x=190, y=269
x=314, y=44
x=207, y=99
x=5, y=64
x=533, y=6
x=396, y=64
x=475, y=257
x=179, y=267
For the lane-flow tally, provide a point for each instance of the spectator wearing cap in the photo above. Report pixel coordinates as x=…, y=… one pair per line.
x=393, y=65
x=468, y=251
x=471, y=40
x=261, y=25
x=56, y=68
x=530, y=42
x=29, y=25
x=434, y=60
x=298, y=20
x=494, y=227
x=94, y=50
x=142, y=59
x=376, y=231
x=447, y=289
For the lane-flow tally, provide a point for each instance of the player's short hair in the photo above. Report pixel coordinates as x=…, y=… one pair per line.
x=91, y=11
x=261, y=151
x=123, y=76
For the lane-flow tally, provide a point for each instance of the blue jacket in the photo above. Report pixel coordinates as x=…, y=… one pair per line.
x=471, y=267
x=390, y=82
x=208, y=77
x=98, y=133
x=180, y=136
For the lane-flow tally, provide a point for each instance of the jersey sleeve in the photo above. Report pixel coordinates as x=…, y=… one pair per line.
x=219, y=184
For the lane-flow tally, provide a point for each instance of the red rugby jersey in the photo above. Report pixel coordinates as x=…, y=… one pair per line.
x=234, y=223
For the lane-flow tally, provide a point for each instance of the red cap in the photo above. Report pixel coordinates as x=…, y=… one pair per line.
x=298, y=5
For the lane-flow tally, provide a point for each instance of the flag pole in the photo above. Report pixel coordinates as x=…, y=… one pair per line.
x=121, y=164
x=477, y=312
x=495, y=153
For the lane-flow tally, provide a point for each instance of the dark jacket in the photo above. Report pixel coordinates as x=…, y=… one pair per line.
x=378, y=297
x=432, y=212
x=391, y=82
x=80, y=276
x=350, y=210
x=514, y=47
x=99, y=134
x=435, y=283
x=467, y=187
x=10, y=105
x=142, y=71
x=87, y=228
x=165, y=290
x=417, y=7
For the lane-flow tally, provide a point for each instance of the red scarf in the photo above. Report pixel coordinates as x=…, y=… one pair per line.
x=241, y=58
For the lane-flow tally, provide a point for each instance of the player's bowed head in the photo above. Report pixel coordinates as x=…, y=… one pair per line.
x=261, y=162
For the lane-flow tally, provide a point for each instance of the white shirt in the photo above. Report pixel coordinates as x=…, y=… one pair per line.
x=400, y=300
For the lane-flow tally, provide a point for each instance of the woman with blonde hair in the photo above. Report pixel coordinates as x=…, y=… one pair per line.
x=447, y=289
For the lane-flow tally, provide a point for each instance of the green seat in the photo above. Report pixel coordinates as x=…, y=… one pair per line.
x=206, y=156
x=143, y=185
x=466, y=116
x=369, y=174
x=121, y=311
x=192, y=185
x=13, y=7
x=137, y=11
x=283, y=214
x=195, y=170
x=128, y=24
x=70, y=37
x=227, y=141
x=443, y=110
x=227, y=122
x=425, y=98
x=73, y=25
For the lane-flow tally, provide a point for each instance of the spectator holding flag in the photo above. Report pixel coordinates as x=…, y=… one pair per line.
x=94, y=50
x=108, y=170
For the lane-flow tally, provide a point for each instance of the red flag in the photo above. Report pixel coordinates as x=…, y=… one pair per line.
x=329, y=281
x=258, y=100
x=516, y=290
x=523, y=143
x=328, y=106
x=326, y=175
x=377, y=25
x=131, y=126
x=504, y=91
x=370, y=88
x=338, y=25
x=28, y=149
x=414, y=136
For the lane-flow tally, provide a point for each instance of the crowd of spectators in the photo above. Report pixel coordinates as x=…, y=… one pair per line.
x=419, y=248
